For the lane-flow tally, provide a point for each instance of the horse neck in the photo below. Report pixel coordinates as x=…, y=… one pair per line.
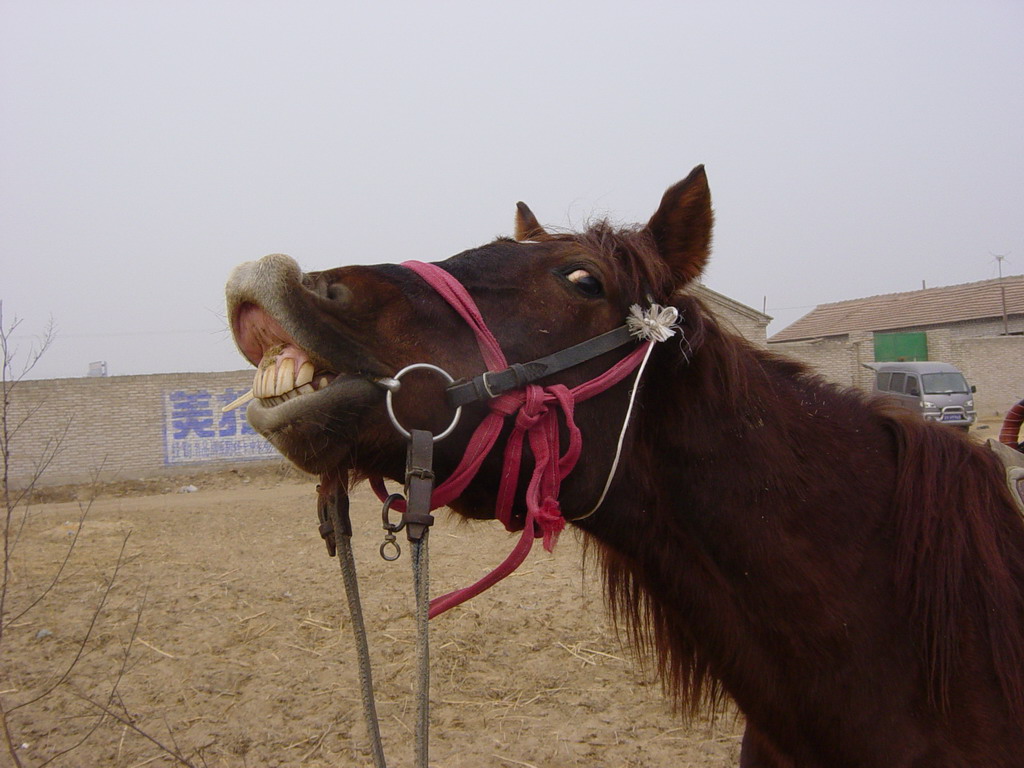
x=730, y=435
x=703, y=537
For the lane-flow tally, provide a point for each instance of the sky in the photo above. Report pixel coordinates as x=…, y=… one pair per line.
x=146, y=148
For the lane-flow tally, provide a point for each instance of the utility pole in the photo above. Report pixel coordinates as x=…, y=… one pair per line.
x=1002, y=291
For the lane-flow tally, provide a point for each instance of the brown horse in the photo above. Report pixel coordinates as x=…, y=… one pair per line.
x=850, y=575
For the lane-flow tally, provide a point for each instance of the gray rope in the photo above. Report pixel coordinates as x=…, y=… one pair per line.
x=348, y=572
x=421, y=583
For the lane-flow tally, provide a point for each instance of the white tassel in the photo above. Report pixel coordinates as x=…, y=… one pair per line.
x=655, y=324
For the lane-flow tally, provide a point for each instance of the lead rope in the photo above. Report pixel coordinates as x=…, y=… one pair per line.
x=421, y=583
x=419, y=484
x=416, y=520
x=332, y=499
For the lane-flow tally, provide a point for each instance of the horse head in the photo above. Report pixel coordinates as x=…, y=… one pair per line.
x=327, y=344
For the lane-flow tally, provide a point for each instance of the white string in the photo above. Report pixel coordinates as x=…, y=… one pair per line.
x=656, y=324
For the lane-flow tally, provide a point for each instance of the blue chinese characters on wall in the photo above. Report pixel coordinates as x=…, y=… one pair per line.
x=196, y=430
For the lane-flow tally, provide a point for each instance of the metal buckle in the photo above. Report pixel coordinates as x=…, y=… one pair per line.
x=487, y=387
x=391, y=409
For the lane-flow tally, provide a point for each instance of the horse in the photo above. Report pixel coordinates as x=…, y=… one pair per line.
x=849, y=575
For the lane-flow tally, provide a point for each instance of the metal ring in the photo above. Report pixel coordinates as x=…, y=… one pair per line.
x=384, y=550
x=391, y=409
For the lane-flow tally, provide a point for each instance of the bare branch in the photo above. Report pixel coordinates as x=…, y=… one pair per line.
x=127, y=722
x=88, y=633
x=60, y=753
x=83, y=514
x=113, y=690
x=56, y=577
x=13, y=526
x=42, y=343
x=9, y=741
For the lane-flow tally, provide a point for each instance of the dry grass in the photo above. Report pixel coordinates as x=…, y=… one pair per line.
x=242, y=656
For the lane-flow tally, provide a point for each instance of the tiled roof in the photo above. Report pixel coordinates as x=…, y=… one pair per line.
x=891, y=311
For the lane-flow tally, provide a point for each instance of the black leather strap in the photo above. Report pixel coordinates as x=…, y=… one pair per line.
x=332, y=494
x=419, y=484
x=518, y=375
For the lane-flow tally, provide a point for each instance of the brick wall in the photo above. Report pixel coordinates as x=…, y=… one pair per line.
x=837, y=359
x=994, y=364
x=130, y=426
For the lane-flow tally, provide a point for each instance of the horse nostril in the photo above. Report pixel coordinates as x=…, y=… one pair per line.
x=339, y=292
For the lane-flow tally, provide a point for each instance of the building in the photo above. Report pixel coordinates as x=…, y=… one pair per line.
x=978, y=327
x=746, y=321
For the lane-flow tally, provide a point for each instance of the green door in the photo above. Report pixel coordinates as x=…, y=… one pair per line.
x=900, y=347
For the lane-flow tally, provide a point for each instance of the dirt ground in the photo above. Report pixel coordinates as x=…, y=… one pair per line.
x=242, y=653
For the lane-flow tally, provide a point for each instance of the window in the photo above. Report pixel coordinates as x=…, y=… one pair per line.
x=945, y=384
x=913, y=386
x=883, y=381
x=898, y=380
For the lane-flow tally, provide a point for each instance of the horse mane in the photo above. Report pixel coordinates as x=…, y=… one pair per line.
x=656, y=633
x=958, y=562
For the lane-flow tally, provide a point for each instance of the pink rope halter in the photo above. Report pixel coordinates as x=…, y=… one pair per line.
x=535, y=409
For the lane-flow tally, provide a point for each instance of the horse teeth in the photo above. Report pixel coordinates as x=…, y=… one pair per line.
x=305, y=374
x=285, y=376
x=277, y=381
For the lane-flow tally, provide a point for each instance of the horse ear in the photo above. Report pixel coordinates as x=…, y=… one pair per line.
x=527, y=226
x=682, y=226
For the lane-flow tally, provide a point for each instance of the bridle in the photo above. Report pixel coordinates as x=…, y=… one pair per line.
x=510, y=391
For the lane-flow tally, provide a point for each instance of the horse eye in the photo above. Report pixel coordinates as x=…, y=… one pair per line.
x=586, y=282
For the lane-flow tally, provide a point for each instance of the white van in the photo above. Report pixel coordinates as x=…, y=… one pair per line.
x=938, y=391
